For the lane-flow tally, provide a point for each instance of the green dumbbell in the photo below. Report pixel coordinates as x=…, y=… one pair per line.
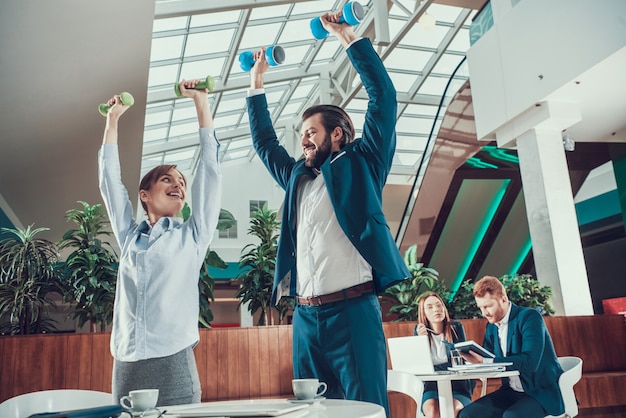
x=126, y=98
x=208, y=84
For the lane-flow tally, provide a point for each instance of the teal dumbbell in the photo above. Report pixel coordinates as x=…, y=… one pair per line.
x=208, y=84
x=126, y=98
x=353, y=13
x=274, y=54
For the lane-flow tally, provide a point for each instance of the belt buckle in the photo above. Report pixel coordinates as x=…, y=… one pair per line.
x=316, y=300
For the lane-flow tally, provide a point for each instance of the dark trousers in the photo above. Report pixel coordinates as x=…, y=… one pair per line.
x=504, y=403
x=343, y=344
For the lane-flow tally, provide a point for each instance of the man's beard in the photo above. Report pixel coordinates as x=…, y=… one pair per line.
x=320, y=154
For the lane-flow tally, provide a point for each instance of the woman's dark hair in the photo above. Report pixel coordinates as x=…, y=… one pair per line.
x=333, y=116
x=153, y=176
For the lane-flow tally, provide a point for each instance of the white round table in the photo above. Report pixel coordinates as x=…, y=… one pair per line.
x=326, y=408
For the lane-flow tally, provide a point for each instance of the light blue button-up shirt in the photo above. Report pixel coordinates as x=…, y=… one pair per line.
x=156, y=300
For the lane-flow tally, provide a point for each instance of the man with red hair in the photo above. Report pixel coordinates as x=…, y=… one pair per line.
x=518, y=335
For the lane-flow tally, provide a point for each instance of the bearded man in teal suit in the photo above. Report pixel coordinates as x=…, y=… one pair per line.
x=518, y=335
x=335, y=252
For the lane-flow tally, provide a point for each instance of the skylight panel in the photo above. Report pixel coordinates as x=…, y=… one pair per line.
x=157, y=118
x=429, y=38
x=203, y=43
x=320, y=6
x=183, y=129
x=256, y=36
x=200, y=69
x=169, y=47
x=159, y=76
x=411, y=143
x=461, y=41
x=172, y=23
x=184, y=112
x=402, y=82
x=154, y=135
x=413, y=125
x=408, y=59
x=209, y=19
x=259, y=13
x=293, y=31
x=447, y=63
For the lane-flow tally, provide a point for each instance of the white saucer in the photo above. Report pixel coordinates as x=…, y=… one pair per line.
x=315, y=400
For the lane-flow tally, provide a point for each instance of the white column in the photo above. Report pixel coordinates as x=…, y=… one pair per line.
x=557, y=249
x=245, y=317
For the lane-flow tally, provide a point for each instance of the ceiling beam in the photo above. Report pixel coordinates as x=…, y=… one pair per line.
x=168, y=9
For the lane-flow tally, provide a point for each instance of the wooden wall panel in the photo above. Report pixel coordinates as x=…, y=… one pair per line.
x=255, y=362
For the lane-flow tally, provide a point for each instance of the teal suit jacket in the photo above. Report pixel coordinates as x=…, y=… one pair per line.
x=530, y=348
x=354, y=177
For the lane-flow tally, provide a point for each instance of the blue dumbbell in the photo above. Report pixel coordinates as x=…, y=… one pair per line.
x=273, y=54
x=353, y=13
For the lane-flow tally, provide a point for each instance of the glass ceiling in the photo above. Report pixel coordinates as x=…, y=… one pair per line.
x=193, y=39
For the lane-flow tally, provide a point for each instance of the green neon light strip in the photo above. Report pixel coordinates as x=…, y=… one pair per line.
x=480, y=235
x=521, y=257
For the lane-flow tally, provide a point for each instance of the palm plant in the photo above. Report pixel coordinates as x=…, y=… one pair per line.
x=27, y=280
x=406, y=293
x=90, y=272
x=258, y=263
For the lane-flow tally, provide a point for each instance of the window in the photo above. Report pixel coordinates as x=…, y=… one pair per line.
x=230, y=233
x=256, y=205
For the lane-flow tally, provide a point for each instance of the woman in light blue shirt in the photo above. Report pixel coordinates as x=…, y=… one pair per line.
x=155, y=320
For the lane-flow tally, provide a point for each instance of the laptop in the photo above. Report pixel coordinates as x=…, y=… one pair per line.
x=243, y=408
x=412, y=355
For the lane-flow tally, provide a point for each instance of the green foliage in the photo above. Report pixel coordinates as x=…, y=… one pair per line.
x=27, y=280
x=525, y=290
x=258, y=264
x=407, y=292
x=522, y=289
x=89, y=273
x=463, y=305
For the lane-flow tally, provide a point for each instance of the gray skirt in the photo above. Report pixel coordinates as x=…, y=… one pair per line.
x=175, y=376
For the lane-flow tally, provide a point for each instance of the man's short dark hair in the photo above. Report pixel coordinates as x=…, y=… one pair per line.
x=333, y=116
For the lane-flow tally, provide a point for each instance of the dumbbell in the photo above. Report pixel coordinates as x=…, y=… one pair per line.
x=353, y=13
x=126, y=98
x=274, y=55
x=208, y=83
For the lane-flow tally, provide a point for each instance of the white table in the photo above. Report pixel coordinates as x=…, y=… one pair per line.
x=327, y=408
x=444, y=386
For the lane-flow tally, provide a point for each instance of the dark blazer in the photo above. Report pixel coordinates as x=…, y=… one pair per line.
x=463, y=387
x=530, y=348
x=354, y=178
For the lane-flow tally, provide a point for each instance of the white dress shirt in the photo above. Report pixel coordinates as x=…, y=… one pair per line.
x=326, y=259
x=503, y=329
x=156, y=300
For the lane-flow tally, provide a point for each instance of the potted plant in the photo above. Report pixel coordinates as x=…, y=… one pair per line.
x=27, y=281
x=90, y=271
x=258, y=263
x=522, y=289
x=405, y=294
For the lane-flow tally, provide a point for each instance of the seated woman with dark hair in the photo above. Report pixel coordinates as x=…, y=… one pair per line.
x=435, y=322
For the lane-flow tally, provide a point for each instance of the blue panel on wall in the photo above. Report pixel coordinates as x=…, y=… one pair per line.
x=4, y=221
x=599, y=207
x=231, y=272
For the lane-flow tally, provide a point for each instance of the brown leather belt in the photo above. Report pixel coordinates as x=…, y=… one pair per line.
x=345, y=294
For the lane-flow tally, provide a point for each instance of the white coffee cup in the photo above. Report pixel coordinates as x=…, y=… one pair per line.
x=308, y=388
x=140, y=400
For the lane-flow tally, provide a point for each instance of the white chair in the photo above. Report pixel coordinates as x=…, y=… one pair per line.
x=53, y=401
x=409, y=384
x=572, y=372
